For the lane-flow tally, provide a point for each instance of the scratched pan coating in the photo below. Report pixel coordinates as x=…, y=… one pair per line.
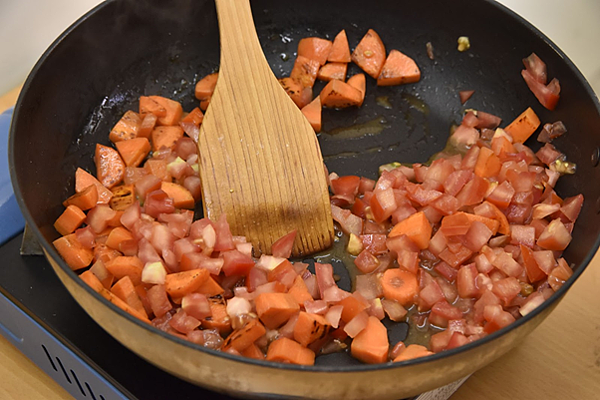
x=123, y=49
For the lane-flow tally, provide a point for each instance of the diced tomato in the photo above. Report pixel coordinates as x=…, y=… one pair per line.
x=536, y=67
x=555, y=236
x=507, y=289
x=184, y=323
x=477, y=236
x=534, y=272
x=456, y=258
x=159, y=301
x=158, y=202
x=456, y=180
x=383, y=204
x=224, y=237
x=465, y=281
x=507, y=264
x=442, y=312
x=430, y=295
x=522, y=235
x=571, y=207
x=283, y=246
x=547, y=95
x=502, y=195
x=346, y=185
x=349, y=222
x=236, y=263
x=439, y=341
x=473, y=192
x=496, y=318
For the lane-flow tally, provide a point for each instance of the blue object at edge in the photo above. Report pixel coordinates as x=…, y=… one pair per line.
x=11, y=219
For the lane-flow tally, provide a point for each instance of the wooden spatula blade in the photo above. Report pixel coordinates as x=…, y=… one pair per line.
x=260, y=161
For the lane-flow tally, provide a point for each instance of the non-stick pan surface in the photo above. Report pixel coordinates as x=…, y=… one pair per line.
x=123, y=49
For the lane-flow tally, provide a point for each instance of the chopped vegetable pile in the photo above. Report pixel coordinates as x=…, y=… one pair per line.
x=463, y=246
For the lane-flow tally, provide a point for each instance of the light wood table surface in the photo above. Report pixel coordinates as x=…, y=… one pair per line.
x=560, y=360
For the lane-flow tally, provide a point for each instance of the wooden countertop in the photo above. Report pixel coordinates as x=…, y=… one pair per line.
x=559, y=360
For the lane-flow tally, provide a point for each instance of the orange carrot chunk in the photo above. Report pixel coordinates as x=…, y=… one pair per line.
x=109, y=166
x=148, y=124
x=274, y=309
x=84, y=179
x=158, y=168
x=289, y=351
x=359, y=82
x=299, y=291
x=210, y=288
x=219, y=319
x=253, y=351
x=92, y=280
x=488, y=164
x=398, y=69
x=85, y=200
x=117, y=236
x=370, y=54
x=416, y=227
x=166, y=136
x=182, y=198
x=133, y=151
x=412, y=351
x=123, y=197
x=127, y=127
x=309, y=328
x=110, y=296
x=242, y=338
x=331, y=71
x=523, y=126
x=315, y=48
x=196, y=116
x=69, y=220
x=340, y=51
x=130, y=266
x=300, y=95
x=312, y=112
x=150, y=106
x=371, y=345
x=206, y=87
x=125, y=290
x=400, y=285
x=338, y=94
x=75, y=255
x=173, y=108
x=181, y=283
x=305, y=71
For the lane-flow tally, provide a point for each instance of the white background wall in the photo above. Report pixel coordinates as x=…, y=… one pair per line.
x=28, y=27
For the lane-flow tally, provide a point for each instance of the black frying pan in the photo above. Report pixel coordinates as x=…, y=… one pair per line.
x=122, y=49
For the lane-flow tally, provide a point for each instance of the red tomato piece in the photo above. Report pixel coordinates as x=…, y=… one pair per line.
x=236, y=263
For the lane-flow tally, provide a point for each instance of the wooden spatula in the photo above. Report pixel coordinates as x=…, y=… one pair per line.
x=260, y=162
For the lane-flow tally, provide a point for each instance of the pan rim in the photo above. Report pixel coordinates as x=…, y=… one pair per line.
x=49, y=249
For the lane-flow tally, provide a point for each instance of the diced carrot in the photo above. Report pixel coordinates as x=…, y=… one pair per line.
x=299, y=291
x=504, y=226
x=123, y=197
x=305, y=71
x=148, y=105
x=130, y=266
x=371, y=345
x=488, y=164
x=242, y=338
x=115, y=221
x=315, y=48
x=413, y=351
x=289, y=351
x=182, y=198
x=83, y=179
x=340, y=51
x=204, y=104
x=274, y=309
x=352, y=307
x=118, y=236
x=166, y=136
x=312, y=112
x=127, y=127
x=86, y=199
x=142, y=293
x=92, y=280
x=492, y=224
x=338, y=94
x=196, y=116
x=331, y=71
x=523, y=126
x=398, y=69
x=133, y=151
x=173, y=108
x=181, y=283
x=110, y=168
x=416, y=227
x=534, y=273
x=147, y=126
x=400, y=285
x=299, y=94
x=219, y=319
x=75, y=255
x=253, y=351
x=359, y=82
x=69, y=220
x=206, y=86
x=125, y=290
x=370, y=54
x=210, y=288
x=158, y=168
x=110, y=296
x=310, y=327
